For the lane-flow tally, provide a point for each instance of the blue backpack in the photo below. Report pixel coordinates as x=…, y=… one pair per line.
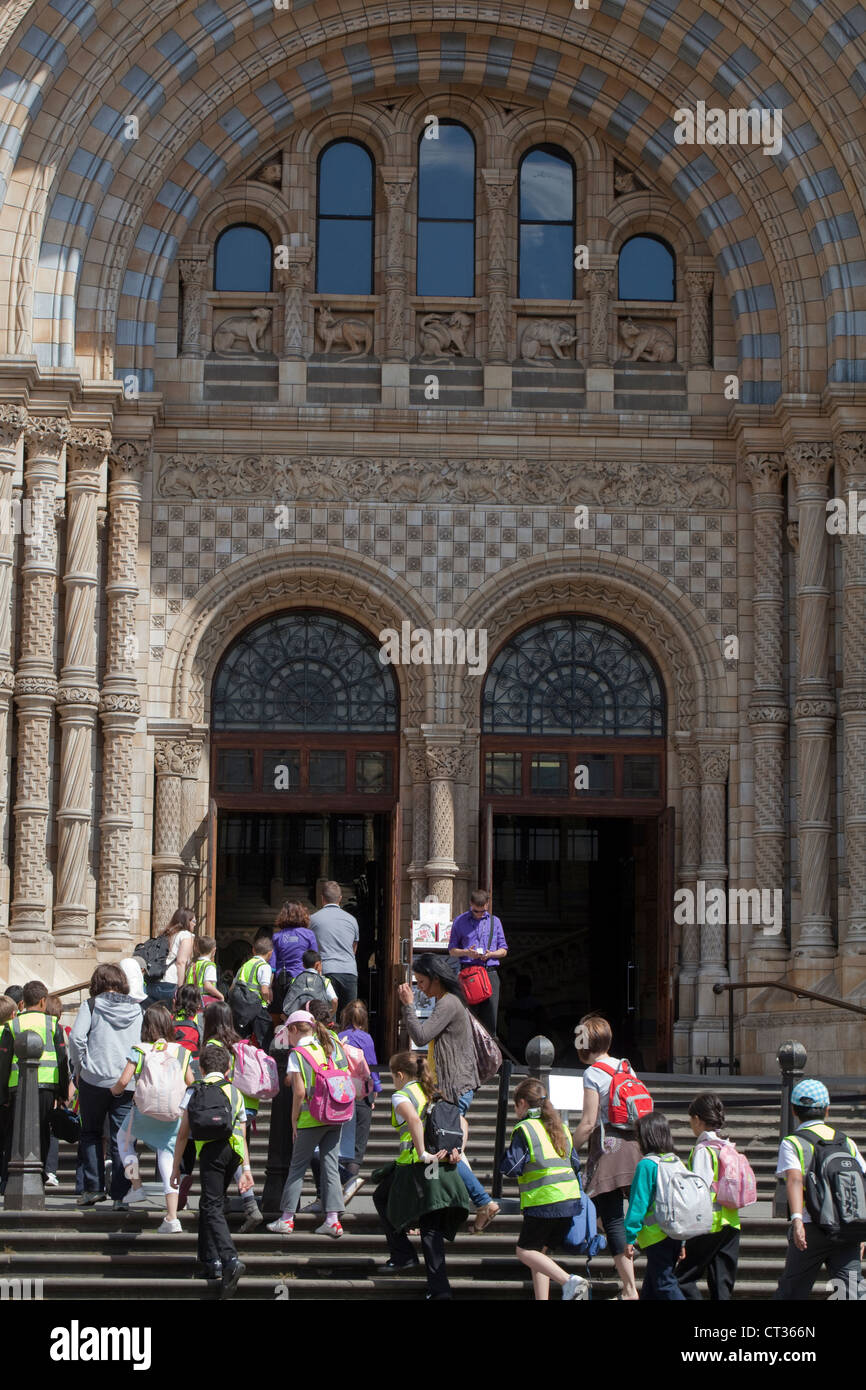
x=584, y=1238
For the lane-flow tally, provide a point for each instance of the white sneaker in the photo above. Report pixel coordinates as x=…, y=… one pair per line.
x=135, y=1196
x=312, y=1206
x=52, y=1180
x=330, y=1228
x=576, y=1288
x=169, y=1227
x=131, y=1170
x=281, y=1227
x=352, y=1187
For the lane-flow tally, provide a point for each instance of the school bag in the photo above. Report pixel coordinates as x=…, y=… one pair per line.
x=245, y=1004
x=304, y=987
x=736, y=1185
x=442, y=1127
x=488, y=1058
x=629, y=1100
x=255, y=1073
x=475, y=979
x=186, y=1032
x=333, y=1098
x=835, y=1188
x=683, y=1204
x=584, y=1237
x=160, y=1086
x=358, y=1070
x=210, y=1111
x=152, y=956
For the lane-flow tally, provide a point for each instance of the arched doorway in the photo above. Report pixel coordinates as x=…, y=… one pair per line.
x=304, y=777
x=576, y=840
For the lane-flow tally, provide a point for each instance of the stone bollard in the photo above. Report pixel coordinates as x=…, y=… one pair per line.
x=24, y=1189
x=540, y=1053
x=792, y=1063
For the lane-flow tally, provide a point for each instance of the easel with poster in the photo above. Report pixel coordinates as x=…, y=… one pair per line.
x=431, y=932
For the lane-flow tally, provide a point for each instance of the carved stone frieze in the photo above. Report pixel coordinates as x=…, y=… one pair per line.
x=78, y=695
x=177, y=757
x=542, y=335
x=335, y=479
x=714, y=764
x=768, y=714
x=815, y=709
x=120, y=704
x=35, y=685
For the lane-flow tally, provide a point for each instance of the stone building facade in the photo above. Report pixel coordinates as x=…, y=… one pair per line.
x=170, y=479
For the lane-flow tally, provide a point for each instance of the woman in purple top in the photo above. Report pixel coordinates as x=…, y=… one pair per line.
x=354, y=1024
x=292, y=937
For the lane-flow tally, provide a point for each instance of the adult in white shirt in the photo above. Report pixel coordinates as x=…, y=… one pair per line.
x=808, y=1247
x=181, y=935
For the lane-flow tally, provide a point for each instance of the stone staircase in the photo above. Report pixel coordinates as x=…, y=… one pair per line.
x=95, y=1254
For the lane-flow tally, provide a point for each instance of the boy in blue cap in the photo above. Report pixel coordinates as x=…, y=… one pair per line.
x=808, y=1247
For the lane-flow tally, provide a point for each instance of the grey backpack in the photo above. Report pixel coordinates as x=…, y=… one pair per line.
x=683, y=1202
x=304, y=987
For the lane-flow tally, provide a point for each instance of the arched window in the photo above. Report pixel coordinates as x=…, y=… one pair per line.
x=344, y=245
x=546, y=218
x=647, y=269
x=305, y=672
x=446, y=212
x=570, y=676
x=243, y=259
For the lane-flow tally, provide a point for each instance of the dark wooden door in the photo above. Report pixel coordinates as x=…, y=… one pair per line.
x=665, y=881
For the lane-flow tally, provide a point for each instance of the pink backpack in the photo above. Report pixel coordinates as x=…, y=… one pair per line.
x=333, y=1098
x=255, y=1073
x=161, y=1084
x=358, y=1070
x=736, y=1185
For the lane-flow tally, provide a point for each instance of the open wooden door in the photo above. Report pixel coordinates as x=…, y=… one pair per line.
x=665, y=917
x=210, y=877
x=485, y=857
x=393, y=967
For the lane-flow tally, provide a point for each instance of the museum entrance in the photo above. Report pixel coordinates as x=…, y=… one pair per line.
x=304, y=775
x=576, y=839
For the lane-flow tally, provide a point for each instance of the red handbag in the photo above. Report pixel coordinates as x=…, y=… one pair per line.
x=475, y=979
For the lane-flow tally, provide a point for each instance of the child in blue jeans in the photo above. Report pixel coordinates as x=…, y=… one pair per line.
x=662, y=1251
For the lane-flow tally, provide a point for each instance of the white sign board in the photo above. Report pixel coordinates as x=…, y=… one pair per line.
x=566, y=1092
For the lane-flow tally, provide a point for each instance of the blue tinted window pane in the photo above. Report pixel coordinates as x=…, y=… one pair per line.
x=242, y=260
x=346, y=181
x=646, y=269
x=446, y=254
x=446, y=174
x=546, y=262
x=546, y=191
x=344, y=264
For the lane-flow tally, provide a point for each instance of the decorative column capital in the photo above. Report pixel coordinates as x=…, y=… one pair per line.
x=714, y=766
x=85, y=456
x=397, y=181
x=45, y=437
x=599, y=281
x=295, y=272
x=192, y=264
x=177, y=757
x=809, y=464
x=851, y=452
x=699, y=282
x=498, y=187
x=765, y=472
x=127, y=459
x=416, y=756
x=443, y=761
x=13, y=422
x=690, y=773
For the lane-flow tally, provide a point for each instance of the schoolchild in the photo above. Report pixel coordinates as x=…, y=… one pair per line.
x=218, y=1026
x=662, y=1251
x=715, y=1254
x=202, y=970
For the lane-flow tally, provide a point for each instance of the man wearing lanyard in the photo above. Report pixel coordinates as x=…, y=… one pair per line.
x=478, y=939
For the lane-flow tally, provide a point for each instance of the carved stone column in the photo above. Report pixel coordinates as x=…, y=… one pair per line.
x=852, y=453
x=815, y=708
x=292, y=280
x=713, y=869
x=699, y=287
x=397, y=182
x=174, y=759
x=690, y=946
x=768, y=710
x=189, y=801
x=498, y=186
x=443, y=761
x=600, y=284
x=417, y=870
x=13, y=419
x=192, y=266
x=78, y=693
x=120, y=705
x=36, y=684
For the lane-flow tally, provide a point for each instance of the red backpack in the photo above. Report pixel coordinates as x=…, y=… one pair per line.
x=629, y=1099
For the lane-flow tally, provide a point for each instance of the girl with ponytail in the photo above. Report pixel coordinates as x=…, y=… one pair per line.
x=420, y=1189
x=717, y=1253
x=543, y=1160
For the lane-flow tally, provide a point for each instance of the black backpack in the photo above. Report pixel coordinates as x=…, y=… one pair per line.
x=835, y=1188
x=209, y=1111
x=246, y=1006
x=442, y=1127
x=304, y=987
x=152, y=955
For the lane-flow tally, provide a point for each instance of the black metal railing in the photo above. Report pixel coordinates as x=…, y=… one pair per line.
x=733, y=1063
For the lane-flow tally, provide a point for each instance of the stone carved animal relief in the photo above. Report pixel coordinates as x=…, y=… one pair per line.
x=442, y=337
x=353, y=334
x=646, y=342
x=246, y=329
x=545, y=333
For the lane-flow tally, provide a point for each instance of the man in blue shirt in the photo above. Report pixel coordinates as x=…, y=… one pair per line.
x=478, y=939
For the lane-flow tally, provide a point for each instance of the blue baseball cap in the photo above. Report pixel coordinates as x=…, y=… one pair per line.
x=810, y=1093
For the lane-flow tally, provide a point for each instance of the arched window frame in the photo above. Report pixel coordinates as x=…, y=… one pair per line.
x=348, y=217
x=562, y=154
x=419, y=220
x=662, y=241
x=233, y=226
